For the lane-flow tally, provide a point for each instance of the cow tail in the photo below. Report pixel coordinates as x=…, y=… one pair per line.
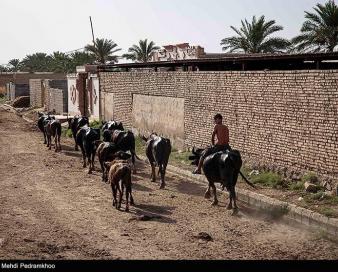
x=247, y=181
x=133, y=152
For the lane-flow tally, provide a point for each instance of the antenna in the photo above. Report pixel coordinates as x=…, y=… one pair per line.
x=91, y=25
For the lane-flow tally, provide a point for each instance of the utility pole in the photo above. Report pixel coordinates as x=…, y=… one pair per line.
x=91, y=25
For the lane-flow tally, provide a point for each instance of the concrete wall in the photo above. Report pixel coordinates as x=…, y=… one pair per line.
x=283, y=119
x=37, y=93
x=23, y=78
x=159, y=114
x=56, y=96
x=15, y=90
x=75, y=96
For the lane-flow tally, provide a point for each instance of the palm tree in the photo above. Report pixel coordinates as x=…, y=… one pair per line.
x=320, y=30
x=14, y=65
x=38, y=62
x=255, y=37
x=141, y=52
x=3, y=68
x=79, y=59
x=103, y=49
x=60, y=63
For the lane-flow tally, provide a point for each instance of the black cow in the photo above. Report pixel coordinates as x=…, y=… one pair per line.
x=106, y=152
x=158, y=150
x=53, y=129
x=76, y=123
x=125, y=141
x=86, y=138
x=112, y=125
x=221, y=167
x=42, y=118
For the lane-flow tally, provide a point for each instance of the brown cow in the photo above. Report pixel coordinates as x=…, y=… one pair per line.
x=120, y=170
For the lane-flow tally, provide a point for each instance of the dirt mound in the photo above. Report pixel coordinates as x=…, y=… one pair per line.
x=21, y=102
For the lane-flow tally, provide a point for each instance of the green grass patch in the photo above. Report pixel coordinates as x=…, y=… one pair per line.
x=310, y=177
x=180, y=157
x=268, y=179
x=67, y=132
x=96, y=124
x=2, y=99
x=327, y=211
x=296, y=186
x=140, y=146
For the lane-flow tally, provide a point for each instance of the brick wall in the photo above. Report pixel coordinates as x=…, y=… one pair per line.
x=56, y=96
x=287, y=120
x=36, y=94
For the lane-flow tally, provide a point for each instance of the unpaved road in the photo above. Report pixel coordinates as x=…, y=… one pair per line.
x=52, y=209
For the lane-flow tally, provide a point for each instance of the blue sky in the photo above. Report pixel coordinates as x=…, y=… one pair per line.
x=46, y=26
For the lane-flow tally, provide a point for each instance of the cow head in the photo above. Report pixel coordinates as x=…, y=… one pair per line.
x=197, y=153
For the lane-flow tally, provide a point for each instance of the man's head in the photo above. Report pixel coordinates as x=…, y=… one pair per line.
x=218, y=118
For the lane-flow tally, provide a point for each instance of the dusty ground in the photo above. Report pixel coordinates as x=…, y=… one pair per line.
x=51, y=208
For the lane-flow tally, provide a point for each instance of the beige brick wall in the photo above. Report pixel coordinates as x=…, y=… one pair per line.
x=283, y=119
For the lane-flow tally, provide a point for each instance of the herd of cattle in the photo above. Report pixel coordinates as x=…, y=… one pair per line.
x=222, y=167
x=111, y=151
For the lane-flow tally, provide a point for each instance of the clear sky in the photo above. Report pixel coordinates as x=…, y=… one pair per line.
x=30, y=26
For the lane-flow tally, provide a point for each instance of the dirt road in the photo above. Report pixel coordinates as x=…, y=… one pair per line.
x=52, y=209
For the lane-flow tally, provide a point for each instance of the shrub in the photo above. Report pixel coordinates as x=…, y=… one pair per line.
x=269, y=179
x=310, y=177
x=296, y=186
x=96, y=124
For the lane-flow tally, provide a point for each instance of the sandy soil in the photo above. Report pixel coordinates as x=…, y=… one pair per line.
x=52, y=209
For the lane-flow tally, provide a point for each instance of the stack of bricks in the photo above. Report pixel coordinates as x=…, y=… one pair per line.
x=35, y=91
x=283, y=119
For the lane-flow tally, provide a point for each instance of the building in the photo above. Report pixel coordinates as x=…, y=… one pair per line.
x=83, y=92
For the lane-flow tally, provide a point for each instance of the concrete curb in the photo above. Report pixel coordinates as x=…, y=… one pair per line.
x=289, y=212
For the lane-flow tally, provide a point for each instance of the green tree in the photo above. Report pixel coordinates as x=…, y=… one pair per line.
x=38, y=62
x=80, y=59
x=60, y=63
x=103, y=50
x=14, y=65
x=319, y=32
x=3, y=68
x=141, y=52
x=255, y=37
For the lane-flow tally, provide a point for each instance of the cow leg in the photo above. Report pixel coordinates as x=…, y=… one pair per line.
x=121, y=194
x=103, y=170
x=153, y=174
x=215, y=203
x=59, y=142
x=131, y=197
x=133, y=162
x=162, y=176
x=113, y=187
x=45, y=138
x=90, y=170
x=235, y=211
x=230, y=200
x=83, y=157
x=50, y=142
x=56, y=143
x=76, y=146
x=91, y=163
x=127, y=199
x=207, y=194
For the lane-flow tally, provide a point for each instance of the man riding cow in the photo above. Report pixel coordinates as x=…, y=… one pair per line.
x=220, y=163
x=222, y=133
